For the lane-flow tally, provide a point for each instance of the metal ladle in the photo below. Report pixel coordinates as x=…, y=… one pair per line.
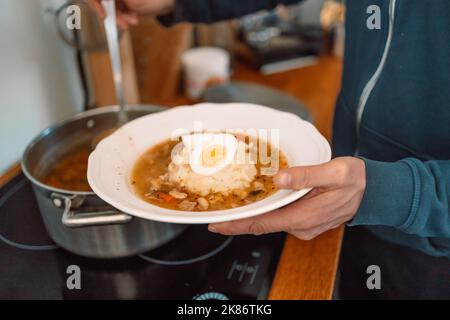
x=112, y=37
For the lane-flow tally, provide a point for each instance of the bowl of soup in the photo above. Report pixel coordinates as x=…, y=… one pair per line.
x=204, y=163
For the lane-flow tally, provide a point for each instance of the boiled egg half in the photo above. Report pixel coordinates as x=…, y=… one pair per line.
x=210, y=152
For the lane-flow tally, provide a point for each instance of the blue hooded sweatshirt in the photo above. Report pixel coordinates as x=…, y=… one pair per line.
x=393, y=111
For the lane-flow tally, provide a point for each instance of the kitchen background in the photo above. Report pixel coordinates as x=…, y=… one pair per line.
x=40, y=81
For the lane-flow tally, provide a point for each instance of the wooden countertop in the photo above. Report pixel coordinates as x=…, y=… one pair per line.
x=307, y=269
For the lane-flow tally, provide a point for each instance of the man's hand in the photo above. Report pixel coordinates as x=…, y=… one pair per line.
x=128, y=10
x=338, y=188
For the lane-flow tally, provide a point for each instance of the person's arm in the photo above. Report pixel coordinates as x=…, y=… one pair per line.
x=207, y=11
x=170, y=12
x=411, y=195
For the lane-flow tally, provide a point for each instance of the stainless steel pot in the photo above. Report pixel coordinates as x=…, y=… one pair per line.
x=80, y=221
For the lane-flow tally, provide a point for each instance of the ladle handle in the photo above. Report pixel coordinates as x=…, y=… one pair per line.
x=112, y=37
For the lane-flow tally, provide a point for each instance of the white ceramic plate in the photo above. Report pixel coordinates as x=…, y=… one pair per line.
x=111, y=163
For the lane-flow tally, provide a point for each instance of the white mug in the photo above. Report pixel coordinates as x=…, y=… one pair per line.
x=204, y=66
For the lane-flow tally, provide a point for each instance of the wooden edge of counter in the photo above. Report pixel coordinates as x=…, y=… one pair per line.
x=307, y=269
x=9, y=174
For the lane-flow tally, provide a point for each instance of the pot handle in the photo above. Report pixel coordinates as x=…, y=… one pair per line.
x=72, y=219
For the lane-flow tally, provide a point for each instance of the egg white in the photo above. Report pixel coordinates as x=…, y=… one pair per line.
x=199, y=143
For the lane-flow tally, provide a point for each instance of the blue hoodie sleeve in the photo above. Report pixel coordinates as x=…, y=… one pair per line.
x=207, y=11
x=411, y=195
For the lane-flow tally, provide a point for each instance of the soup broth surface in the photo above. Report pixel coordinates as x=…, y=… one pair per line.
x=153, y=164
x=70, y=173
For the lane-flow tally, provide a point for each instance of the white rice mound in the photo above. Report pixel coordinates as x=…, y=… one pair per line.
x=237, y=175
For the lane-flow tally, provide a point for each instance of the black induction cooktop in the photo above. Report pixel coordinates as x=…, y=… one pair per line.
x=196, y=265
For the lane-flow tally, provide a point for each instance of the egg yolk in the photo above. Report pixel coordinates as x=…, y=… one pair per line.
x=213, y=156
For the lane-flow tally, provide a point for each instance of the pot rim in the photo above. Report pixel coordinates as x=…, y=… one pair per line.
x=81, y=115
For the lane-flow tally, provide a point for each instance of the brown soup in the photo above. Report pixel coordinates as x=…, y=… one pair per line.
x=70, y=173
x=154, y=163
